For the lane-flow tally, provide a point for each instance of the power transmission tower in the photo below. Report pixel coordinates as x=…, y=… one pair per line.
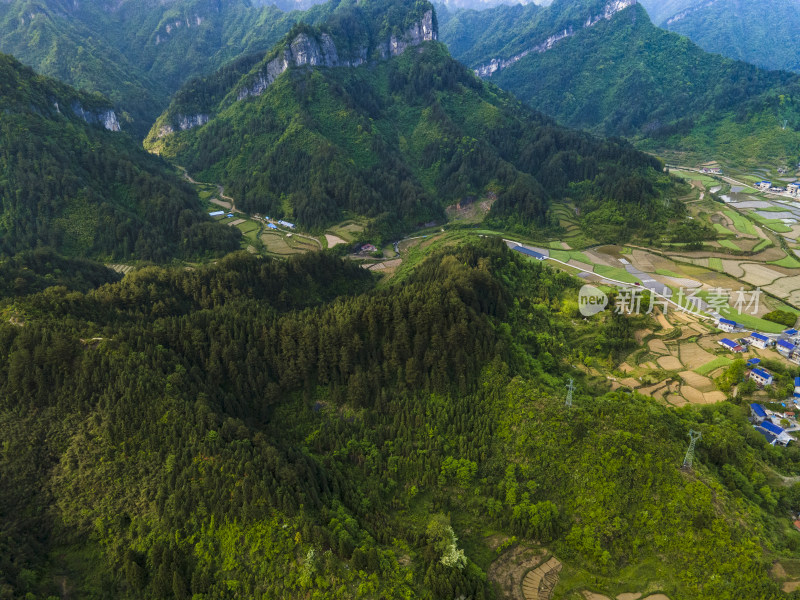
x=687, y=461
x=570, y=389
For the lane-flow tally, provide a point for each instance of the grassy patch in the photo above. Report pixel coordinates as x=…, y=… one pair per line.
x=715, y=264
x=720, y=361
x=740, y=222
x=788, y=261
x=761, y=245
x=617, y=273
x=728, y=244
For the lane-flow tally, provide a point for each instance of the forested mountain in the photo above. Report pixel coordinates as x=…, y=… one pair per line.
x=71, y=181
x=345, y=117
x=605, y=67
x=266, y=429
x=137, y=52
x=762, y=32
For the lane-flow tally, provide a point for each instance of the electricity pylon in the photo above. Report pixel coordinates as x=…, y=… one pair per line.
x=687, y=460
x=570, y=389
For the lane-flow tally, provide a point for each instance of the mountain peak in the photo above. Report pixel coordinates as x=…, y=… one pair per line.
x=352, y=36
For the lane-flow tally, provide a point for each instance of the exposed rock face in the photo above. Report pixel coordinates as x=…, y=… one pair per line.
x=497, y=64
x=106, y=118
x=685, y=13
x=303, y=50
x=309, y=50
x=421, y=31
x=306, y=50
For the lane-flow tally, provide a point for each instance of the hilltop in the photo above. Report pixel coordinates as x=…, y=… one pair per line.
x=605, y=67
x=70, y=180
x=138, y=52
x=761, y=32
x=370, y=116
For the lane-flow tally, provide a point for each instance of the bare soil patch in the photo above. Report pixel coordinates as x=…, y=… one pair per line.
x=333, y=240
x=629, y=596
x=693, y=356
x=594, y=596
x=733, y=267
x=714, y=397
x=670, y=363
x=759, y=274
x=580, y=265
x=703, y=384
x=692, y=395
x=788, y=287
x=510, y=567
x=658, y=597
x=790, y=586
x=658, y=346
x=221, y=203
x=236, y=222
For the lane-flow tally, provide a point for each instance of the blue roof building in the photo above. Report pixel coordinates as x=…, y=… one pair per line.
x=790, y=332
x=731, y=345
x=271, y=226
x=533, y=253
x=785, y=347
x=771, y=438
x=758, y=411
x=772, y=428
x=760, y=376
x=753, y=361
x=759, y=336
x=216, y=213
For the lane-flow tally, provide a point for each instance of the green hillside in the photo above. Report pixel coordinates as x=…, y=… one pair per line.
x=761, y=32
x=400, y=139
x=137, y=52
x=267, y=429
x=624, y=76
x=69, y=184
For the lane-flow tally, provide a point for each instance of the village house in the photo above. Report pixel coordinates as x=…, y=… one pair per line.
x=727, y=325
x=785, y=347
x=796, y=393
x=764, y=185
x=761, y=376
x=793, y=188
x=759, y=340
x=774, y=434
x=757, y=413
x=731, y=345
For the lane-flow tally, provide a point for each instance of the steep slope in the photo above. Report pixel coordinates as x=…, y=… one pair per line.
x=607, y=68
x=762, y=32
x=355, y=117
x=260, y=429
x=70, y=180
x=136, y=52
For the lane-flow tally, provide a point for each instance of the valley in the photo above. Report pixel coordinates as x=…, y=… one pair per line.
x=306, y=308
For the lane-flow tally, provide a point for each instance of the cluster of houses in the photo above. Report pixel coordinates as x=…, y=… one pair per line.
x=711, y=171
x=786, y=344
x=768, y=423
x=793, y=189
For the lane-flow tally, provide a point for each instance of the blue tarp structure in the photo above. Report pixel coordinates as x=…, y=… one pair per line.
x=216, y=213
x=527, y=252
x=271, y=226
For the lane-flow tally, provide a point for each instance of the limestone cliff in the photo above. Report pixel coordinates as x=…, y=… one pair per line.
x=106, y=118
x=609, y=10
x=313, y=50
